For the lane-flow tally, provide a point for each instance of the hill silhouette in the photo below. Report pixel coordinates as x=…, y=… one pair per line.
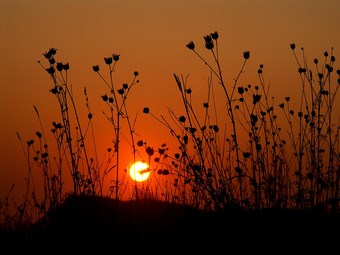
x=91, y=222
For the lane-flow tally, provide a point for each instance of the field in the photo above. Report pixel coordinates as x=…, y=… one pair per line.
x=87, y=223
x=255, y=173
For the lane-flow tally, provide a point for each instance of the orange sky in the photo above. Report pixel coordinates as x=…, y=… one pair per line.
x=150, y=36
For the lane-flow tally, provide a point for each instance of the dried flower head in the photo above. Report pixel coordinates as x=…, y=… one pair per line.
x=246, y=55
x=208, y=39
x=214, y=35
x=209, y=44
x=182, y=118
x=240, y=90
x=95, y=68
x=329, y=68
x=115, y=57
x=66, y=66
x=50, y=70
x=105, y=98
x=59, y=66
x=191, y=45
x=52, y=51
x=51, y=60
x=108, y=60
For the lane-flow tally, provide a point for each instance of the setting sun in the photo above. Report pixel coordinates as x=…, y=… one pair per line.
x=139, y=171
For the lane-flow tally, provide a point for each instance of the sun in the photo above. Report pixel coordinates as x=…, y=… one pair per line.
x=139, y=171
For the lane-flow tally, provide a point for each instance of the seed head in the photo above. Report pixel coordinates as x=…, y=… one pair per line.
x=214, y=35
x=191, y=45
x=66, y=66
x=108, y=60
x=246, y=55
x=50, y=70
x=95, y=68
x=115, y=57
x=59, y=66
x=182, y=118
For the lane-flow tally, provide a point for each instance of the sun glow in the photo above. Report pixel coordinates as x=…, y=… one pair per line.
x=139, y=171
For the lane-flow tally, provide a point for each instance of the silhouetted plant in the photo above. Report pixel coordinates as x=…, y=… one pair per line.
x=71, y=136
x=7, y=220
x=317, y=140
x=243, y=156
x=116, y=101
x=203, y=156
x=223, y=170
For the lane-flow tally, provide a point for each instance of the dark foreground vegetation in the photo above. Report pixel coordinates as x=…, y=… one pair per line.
x=253, y=174
x=88, y=222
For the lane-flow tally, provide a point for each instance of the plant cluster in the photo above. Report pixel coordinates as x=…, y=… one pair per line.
x=246, y=158
x=246, y=155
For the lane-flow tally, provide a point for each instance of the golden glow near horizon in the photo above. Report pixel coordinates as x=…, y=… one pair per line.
x=139, y=171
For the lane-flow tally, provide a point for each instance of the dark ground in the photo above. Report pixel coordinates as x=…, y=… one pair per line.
x=83, y=224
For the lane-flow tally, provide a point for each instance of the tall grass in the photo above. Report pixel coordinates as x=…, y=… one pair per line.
x=75, y=154
x=254, y=154
x=248, y=158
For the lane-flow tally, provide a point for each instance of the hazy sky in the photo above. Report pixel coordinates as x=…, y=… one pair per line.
x=150, y=36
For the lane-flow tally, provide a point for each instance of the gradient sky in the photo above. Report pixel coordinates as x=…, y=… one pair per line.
x=150, y=36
